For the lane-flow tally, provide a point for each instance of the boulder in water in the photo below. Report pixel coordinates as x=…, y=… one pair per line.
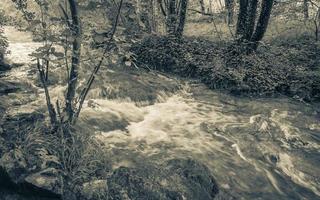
x=176, y=179
x=4, y=66
x=7, y=87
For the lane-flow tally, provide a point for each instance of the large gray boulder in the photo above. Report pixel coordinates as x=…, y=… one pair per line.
x=13, y=167
x=16, y=184
x=15, y=175
x=49, y=179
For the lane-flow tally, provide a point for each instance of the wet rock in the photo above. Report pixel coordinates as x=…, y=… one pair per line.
x=196, y=177
x=49, y=179
x=8, y=87
x=94, y=190
x=15, y=177
x=176, y=179
x=4, y=66
x=13, y=167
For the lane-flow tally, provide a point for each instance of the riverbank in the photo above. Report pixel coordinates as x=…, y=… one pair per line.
x=288, y=67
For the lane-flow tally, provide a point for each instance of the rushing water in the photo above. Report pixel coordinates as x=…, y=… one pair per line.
x=256, y=148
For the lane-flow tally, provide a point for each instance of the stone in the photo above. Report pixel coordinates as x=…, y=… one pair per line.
x=94, y=190
x=176, y=179
x=13, y=166
x=49, y=179
x=8, y=87
x=15, y=177
x=195, y=177
x=4, y=66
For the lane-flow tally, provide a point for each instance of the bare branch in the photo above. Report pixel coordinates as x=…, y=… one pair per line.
x=51, y=110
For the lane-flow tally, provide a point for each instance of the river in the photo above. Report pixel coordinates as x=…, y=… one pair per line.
x=259, y=148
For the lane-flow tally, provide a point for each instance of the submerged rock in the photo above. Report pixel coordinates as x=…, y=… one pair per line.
x=139, y=86
x=8, y=87
x=176, y=179
x=4, y=66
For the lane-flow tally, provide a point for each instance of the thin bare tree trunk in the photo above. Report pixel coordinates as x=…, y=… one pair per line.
x=242, y=16
x=263, y=21
x=251, y=19
x=162, y=7
x=306, y=9
x=51, y=110
x=76, y=52
x=171, y=18
x=230, y=4
x=182, y=18
x=203, y=8
x=248, y=32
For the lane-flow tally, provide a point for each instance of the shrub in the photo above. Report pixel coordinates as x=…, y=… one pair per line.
x=176, y=56
x=289, y=68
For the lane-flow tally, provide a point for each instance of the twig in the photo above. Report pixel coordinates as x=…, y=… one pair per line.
x=66, y=16
x=162, y=8
x=51, y=110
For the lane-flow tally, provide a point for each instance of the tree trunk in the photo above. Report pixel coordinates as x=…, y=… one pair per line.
x=171, y=18
x=230, y=4
x=145, y=15
x=251, y=19
x=263, y=22
x=249, y=33
x=76, y=52
x=306, y=9
x=242, y=17
x=182, y=18
x=203, y=9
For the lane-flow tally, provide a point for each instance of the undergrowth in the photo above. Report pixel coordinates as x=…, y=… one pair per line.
x=288, y=67
x=78, y=157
